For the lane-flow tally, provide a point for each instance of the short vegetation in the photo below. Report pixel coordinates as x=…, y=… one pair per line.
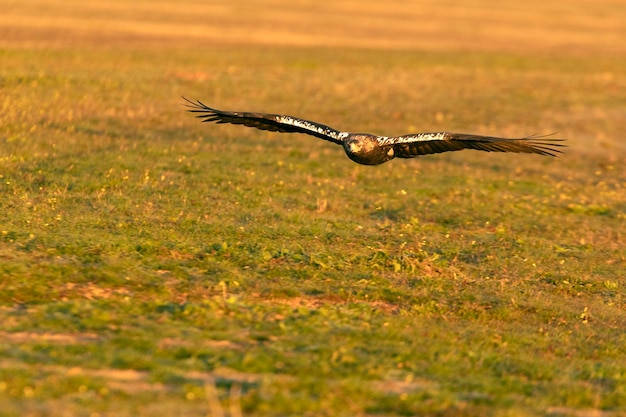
x=146, y=258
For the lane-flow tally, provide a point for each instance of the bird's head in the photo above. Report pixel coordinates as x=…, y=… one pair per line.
x=365, y=148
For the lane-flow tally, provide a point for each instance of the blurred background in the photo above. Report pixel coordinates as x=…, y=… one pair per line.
x=576, y=27
x=426, y=63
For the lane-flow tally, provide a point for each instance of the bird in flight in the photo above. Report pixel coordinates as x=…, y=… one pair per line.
x=368, y=149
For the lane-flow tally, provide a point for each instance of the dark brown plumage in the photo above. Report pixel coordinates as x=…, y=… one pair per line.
x=368, y=149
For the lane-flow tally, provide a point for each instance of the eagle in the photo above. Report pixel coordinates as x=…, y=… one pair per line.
x=368, y=149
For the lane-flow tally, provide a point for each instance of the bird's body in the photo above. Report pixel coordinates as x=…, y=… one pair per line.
x=368, y=149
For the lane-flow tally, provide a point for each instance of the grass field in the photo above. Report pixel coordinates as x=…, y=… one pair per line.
x=146, y=258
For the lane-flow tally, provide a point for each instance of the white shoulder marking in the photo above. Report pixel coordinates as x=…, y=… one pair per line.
x=418, y=137
x=294, y=121
x=305, y=124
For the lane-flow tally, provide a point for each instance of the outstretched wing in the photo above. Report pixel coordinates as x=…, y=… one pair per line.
x=263, y=121
x=410, y=146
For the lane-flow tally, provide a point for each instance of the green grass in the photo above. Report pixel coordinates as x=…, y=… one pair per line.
x=144, y=254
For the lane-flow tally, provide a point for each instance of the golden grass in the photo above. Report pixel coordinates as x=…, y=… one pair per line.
x=578, y=27
x=155, y=254
x=551, y=33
